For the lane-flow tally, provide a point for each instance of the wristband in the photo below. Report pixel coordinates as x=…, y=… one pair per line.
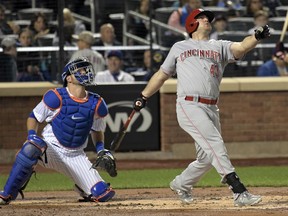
x=143, y=97
x=99, y=146
x=31, y=132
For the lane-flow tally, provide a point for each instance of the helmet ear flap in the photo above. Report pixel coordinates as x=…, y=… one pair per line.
x=194, y=25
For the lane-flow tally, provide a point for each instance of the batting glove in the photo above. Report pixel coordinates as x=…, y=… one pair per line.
x=139, y=103
x=262, y=32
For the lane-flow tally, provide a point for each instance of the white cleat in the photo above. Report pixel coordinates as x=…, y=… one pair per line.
x=3, y=202
x=246, y=199
x=185, y=197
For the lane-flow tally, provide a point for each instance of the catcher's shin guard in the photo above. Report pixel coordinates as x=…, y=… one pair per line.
x=23, y=167
x=234, y=182
x=102, y=192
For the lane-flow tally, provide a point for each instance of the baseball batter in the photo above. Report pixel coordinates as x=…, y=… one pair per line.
x=199, y=64
x=71, y=114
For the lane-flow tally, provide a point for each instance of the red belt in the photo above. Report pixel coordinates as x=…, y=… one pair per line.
x=201, y=100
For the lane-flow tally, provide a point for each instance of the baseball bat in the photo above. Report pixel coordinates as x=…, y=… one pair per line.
x=284, y=29
x=120, y=135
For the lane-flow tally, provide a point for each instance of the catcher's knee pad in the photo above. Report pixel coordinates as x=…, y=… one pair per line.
x=23, y=167
x=102, y=192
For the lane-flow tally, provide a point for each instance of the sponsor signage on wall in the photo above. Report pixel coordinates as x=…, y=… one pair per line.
x=143, y=133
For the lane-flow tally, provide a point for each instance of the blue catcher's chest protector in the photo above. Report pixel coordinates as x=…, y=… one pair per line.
x=74, y=121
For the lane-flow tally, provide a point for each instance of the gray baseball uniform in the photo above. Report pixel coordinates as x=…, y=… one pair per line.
x=199, y=66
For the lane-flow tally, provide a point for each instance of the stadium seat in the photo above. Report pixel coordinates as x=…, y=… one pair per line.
x=46, y=40
x=28, y=13
x=265, y=51
x=218, y=10
x=9, y=15
x=240, y=23
x=282, y=10
x=240, y=12
x=132, y=4
x=284, y=2
x=162, y=14
x=167, y=3
x=235, y=36
x=206, y=2
x=277, y=22
x=22, y=23
x=15, y=36
x=275, y=37
x=53, y=25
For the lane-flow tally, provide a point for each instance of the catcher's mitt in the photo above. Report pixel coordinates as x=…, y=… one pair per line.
x=106, y=161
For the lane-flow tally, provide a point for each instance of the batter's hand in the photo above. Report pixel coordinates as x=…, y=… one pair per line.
x=139, y=103
x=106, y=161
x=262, y=32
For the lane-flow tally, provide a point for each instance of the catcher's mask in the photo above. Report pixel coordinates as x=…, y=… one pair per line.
x=192, y=24
x=82, y=69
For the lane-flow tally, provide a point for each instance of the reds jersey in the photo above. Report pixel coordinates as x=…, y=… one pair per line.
x=94, y=57
x=198, y=77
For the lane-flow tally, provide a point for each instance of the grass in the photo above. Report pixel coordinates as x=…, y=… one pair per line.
x=268, y=176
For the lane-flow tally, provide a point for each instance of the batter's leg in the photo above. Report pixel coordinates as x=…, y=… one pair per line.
x=195, y=170
x=202, y=123
x=197, y=122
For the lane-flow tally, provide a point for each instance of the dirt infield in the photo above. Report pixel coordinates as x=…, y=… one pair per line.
x=156, y=202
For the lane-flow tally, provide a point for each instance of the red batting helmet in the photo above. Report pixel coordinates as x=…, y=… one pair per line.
x=191, y=22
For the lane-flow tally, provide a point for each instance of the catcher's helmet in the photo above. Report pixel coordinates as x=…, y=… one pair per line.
x=192, y=24
x=74, y=67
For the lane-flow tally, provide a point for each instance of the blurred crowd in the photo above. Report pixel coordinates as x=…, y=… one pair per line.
x=116, y=65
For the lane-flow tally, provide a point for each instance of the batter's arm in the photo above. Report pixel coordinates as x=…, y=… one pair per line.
x=239, y=49
x=155, y=83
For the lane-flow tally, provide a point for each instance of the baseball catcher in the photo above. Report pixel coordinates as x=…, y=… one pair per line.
x=72, y=114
